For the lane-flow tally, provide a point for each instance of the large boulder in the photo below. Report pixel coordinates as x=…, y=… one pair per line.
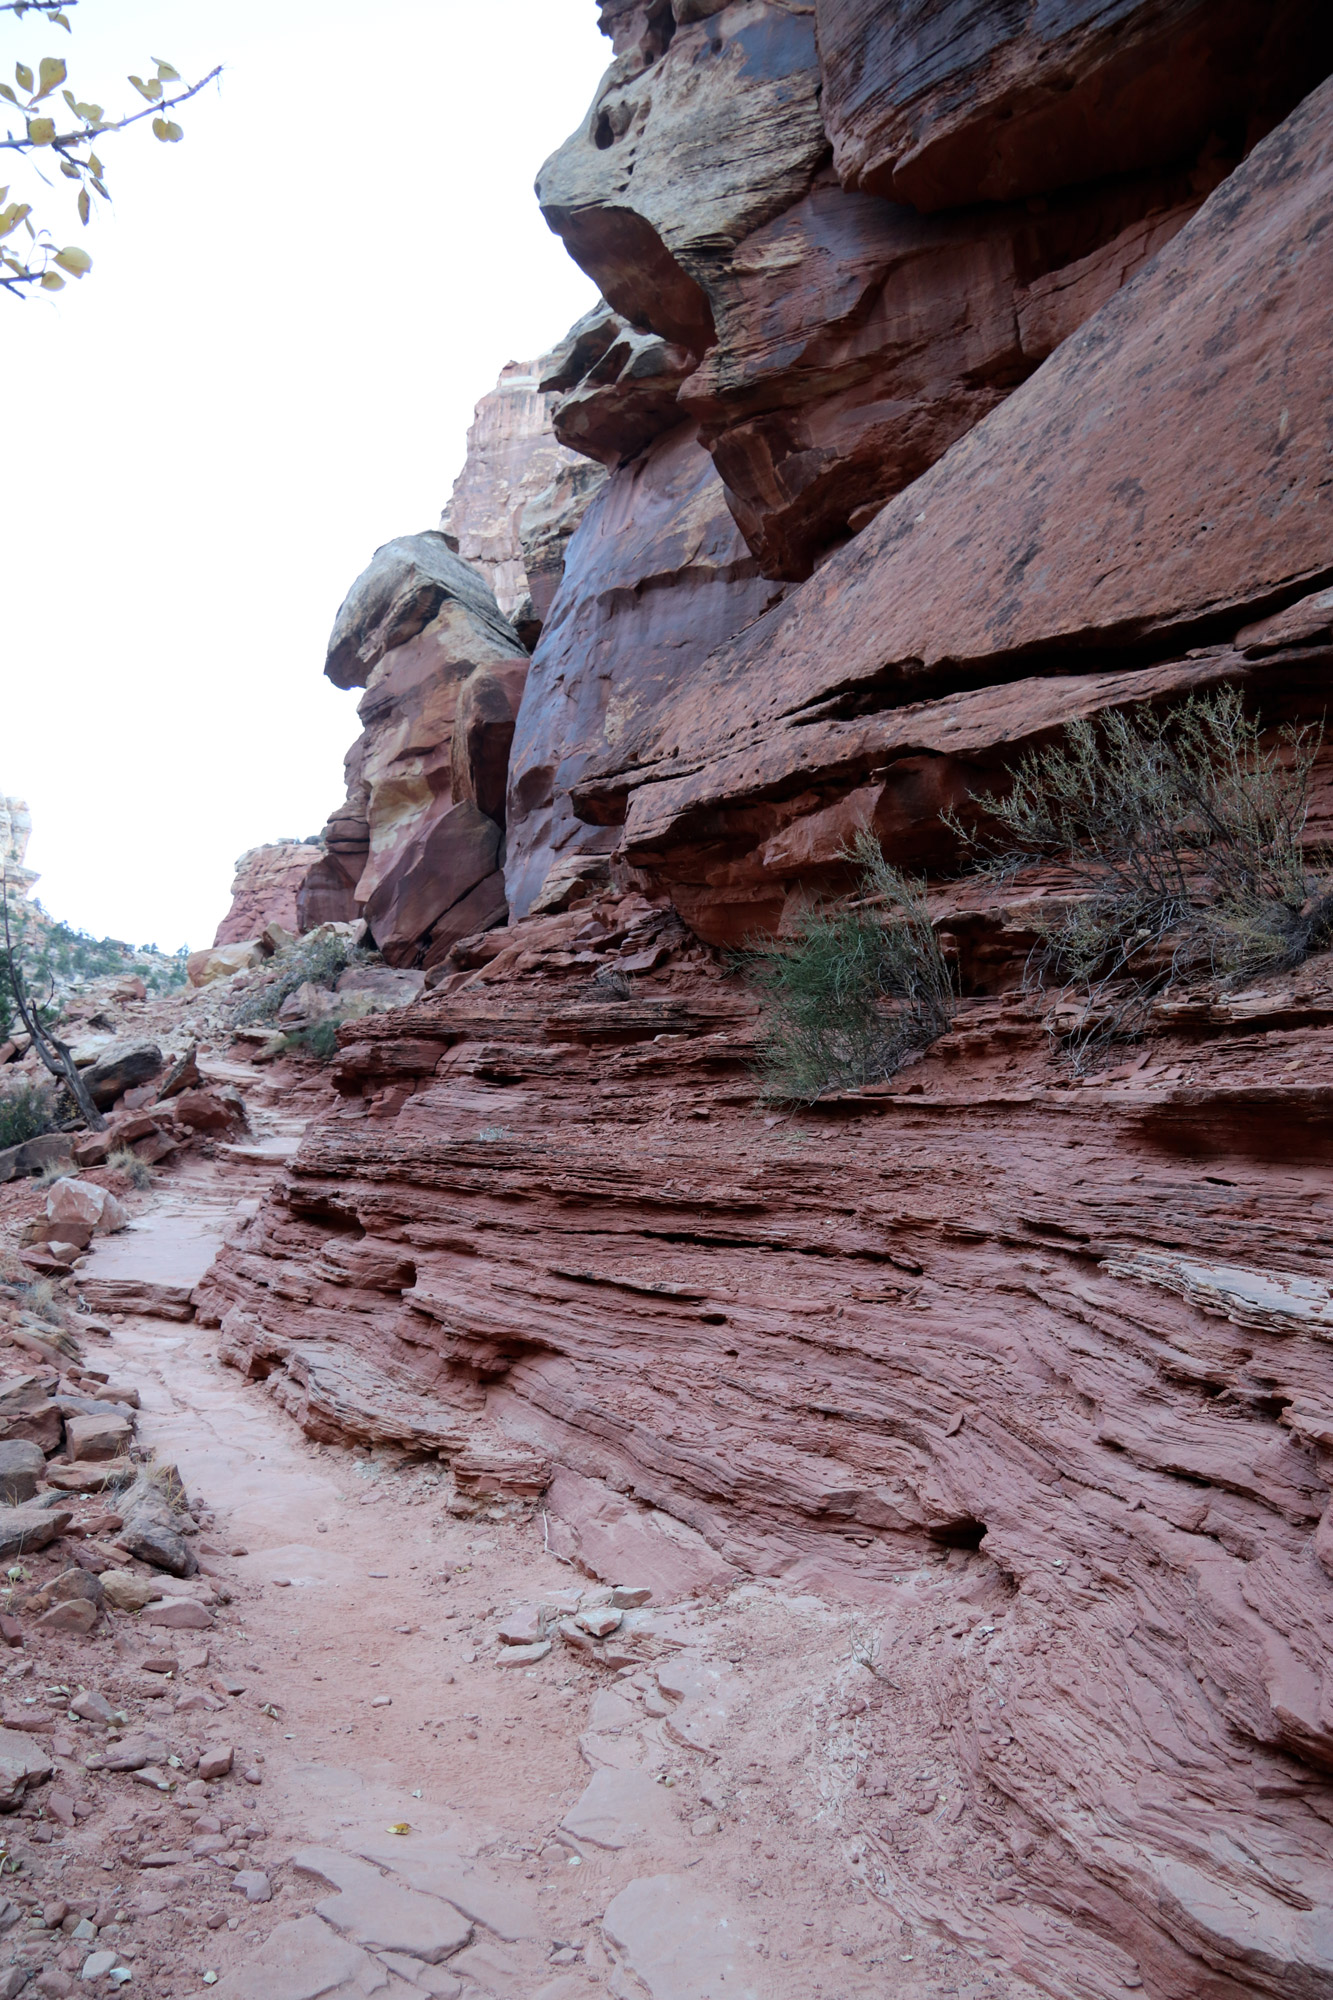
x=940, y=104
x=119, y=1066
x=204, y=968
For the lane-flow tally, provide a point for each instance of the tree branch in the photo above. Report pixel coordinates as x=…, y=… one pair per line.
x=91, y=132
x=55, y=1055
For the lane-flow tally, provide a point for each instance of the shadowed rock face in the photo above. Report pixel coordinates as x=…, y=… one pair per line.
x=944, y=102
x=655, y=576
x=1162, y=480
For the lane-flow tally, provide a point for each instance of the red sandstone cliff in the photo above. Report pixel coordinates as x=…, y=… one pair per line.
x=1018, y=410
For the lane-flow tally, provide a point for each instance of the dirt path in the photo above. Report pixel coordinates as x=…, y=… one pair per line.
x=670, y=1828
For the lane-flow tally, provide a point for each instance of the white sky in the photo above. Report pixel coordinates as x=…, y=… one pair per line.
x=270, y=371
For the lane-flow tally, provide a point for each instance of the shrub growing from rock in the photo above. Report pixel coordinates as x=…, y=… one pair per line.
x=26, y=1111
x=860, y=985
x=1182, y=837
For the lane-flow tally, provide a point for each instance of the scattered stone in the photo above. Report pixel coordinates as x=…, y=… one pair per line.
x=601, y=1623
x=82, y=1209
x=119, y=1066
x=127, y=1590
x=100, y=1437
x=253, y=1884
x=179, y=1614
x=22, y=1465
x=75, y=1615
x=22, y=1763
x=252, y=1775
x=90, y=1706
x=628, y=1597
x=92, y=1478
x=522, y=1656
x=131, y=1754
x=26, y=1529
x=216, y=1763
x=522, y=1627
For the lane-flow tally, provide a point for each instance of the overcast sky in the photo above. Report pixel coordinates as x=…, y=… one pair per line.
x=270, y=371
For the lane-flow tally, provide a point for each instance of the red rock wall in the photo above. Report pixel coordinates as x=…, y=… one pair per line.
x=1031, y=1371
x=267, y=889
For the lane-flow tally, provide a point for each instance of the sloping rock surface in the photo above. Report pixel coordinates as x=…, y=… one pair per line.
x=939, y=103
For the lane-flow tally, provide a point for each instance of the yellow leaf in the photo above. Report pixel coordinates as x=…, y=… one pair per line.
x=41, y=131
x=152, y=90
x=69, y=98
x=23, y=75
x=84, y=205
x=400, y=1826
x=51, y=71
x=77, y=262
x=52, y=282
x=165, y=72
x=94, y=166
x=91, y=114
x=6, y=92
x=63, y=22
x=69, y=170
x=11, y=217
x=171, y=132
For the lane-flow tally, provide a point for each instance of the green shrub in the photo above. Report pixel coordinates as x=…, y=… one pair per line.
x=1182, y=839
x=316, y=960
x=858, y=988
x=26, y=1111
x=319, y=1040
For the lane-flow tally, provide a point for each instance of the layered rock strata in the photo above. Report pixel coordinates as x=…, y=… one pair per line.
x=1079, y=1331
x=1165, y=487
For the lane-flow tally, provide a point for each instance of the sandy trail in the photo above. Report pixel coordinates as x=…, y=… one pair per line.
x=668, y=1831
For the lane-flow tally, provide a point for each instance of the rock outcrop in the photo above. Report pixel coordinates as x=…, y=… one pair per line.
x=513, y=459
x=1026, y=1370
x=443, y=672
x=940, y=106
x=268, y=888
x=1164, y=485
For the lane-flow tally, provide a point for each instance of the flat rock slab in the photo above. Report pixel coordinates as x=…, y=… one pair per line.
x=304, y=1960
x=680, y=1943
x=437, y=1869
x=23, y=1529
x=619, y=1808
x=384, y=1917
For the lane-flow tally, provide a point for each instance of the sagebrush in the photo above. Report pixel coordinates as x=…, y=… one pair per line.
x=858, y=987
x=26, y=1111
x=316, y=960
x=1182, y=837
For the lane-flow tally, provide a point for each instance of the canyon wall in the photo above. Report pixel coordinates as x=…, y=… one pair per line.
x=1000, y=355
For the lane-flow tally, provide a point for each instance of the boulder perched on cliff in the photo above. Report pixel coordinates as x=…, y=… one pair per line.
x=422, y=632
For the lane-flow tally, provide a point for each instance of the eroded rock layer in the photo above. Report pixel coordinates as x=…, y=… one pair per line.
x=1081, y=1330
